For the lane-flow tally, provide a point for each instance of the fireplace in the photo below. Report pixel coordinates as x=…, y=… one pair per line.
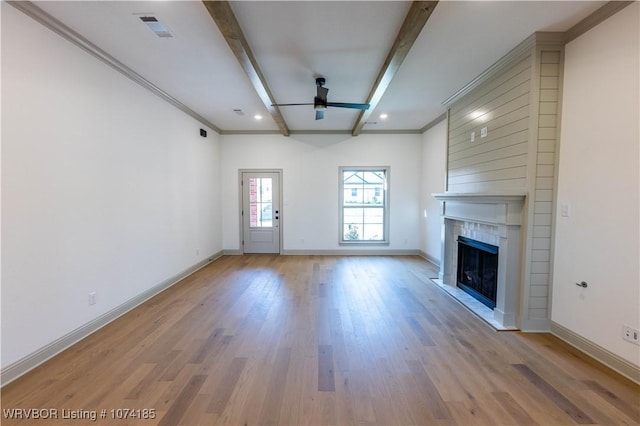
x=478, y=270
x=495, y=222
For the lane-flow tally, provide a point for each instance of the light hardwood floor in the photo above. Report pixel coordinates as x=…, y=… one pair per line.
x=315, y=340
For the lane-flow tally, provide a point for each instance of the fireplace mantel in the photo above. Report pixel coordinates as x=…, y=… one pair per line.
x=500, y=208
x=480, y=197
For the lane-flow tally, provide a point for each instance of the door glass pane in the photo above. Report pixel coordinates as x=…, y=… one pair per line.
x=266, y=194
x=260, y=202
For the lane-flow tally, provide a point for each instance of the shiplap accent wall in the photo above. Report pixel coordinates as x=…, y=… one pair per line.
x=498, y=161
x=518, y=101
x=548, y=75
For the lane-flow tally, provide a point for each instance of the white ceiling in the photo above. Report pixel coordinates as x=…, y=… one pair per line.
x=294, y=41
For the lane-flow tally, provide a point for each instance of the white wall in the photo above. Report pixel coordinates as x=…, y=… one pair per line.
x=599, y=180
x=310, y=184
x=434, y=169
x=105, y=188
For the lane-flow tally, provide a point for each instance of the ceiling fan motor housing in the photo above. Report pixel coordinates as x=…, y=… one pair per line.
x=319, y=103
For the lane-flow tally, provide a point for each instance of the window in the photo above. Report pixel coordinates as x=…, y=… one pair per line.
x=364, y=206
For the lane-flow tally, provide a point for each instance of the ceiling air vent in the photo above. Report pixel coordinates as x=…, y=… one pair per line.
x=156, y=26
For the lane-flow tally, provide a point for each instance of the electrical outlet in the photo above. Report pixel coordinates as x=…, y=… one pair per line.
x=92, y=298
x=630, y=334
x=484, y=132
x=473, y=136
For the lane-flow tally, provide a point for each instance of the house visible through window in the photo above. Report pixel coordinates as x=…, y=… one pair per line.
x=363, y=204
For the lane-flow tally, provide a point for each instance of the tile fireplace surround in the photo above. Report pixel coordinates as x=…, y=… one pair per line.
x=492, y=218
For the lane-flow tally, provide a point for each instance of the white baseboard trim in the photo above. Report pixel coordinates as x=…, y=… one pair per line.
x=234, y=252
x=352, y=252
x=338, y=252
x=28, y=363
x=600, y=354
x=435, y=262
x=537, y=325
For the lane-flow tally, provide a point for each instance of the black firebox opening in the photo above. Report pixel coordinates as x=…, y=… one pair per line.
x=478, y=270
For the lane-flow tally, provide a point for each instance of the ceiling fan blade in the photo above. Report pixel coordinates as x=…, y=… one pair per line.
x=319, y=114
x=288, y=104
x=348, y=105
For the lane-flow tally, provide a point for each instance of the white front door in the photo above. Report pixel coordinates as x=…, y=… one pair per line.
x=261, y=212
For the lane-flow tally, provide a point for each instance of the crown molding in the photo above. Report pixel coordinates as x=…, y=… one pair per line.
x=540, y=39
x=392, y=132
x=323, y=132
x=515, y=55
x=39, y=15
x=250, y=132
x=434, y=122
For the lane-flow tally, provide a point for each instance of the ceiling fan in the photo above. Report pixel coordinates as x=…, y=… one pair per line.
x=320, y=101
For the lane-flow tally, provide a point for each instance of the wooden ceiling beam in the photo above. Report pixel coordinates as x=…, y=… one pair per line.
x=416, y=18
x=226, y=21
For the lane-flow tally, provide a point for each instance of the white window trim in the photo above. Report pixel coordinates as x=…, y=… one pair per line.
x=343, y=242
